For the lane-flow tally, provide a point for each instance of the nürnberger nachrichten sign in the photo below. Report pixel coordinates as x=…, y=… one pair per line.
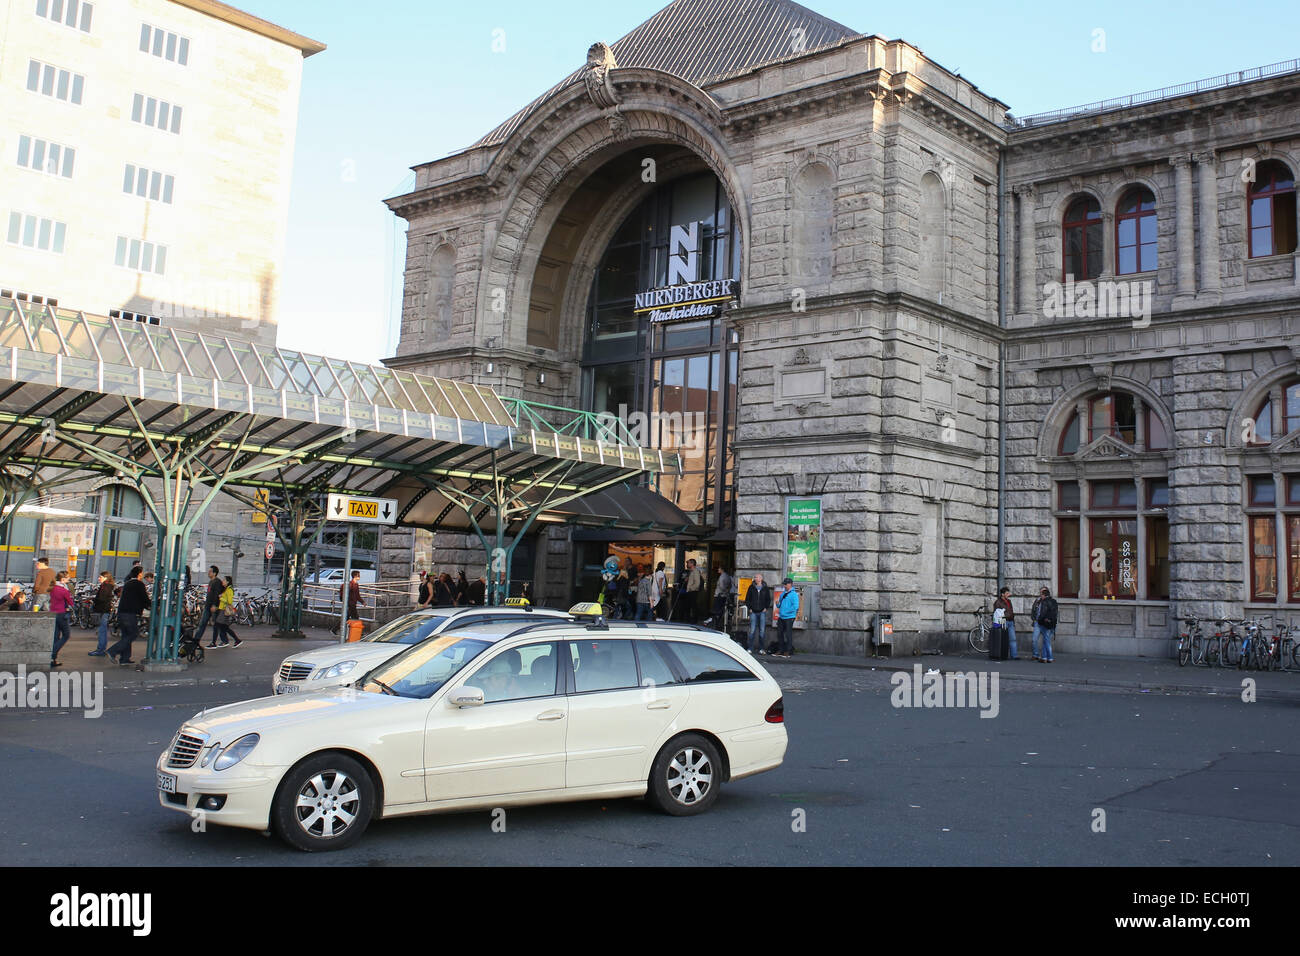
x=685, y=297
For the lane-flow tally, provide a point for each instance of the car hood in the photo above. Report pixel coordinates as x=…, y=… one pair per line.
x=370, y=651
x=267, y=713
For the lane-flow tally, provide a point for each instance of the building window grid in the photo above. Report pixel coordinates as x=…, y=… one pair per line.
x=148, y=184
x=151, y=111
x=1082, y=530
x=42, y=156
x=76, y=14
x=164, y=44
x=36, y=232
x=55, y=82
x=140, y=255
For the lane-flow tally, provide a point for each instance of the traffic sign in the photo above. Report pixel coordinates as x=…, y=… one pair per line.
x=362, y=510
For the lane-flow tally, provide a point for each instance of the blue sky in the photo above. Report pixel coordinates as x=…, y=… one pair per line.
x=406, y=81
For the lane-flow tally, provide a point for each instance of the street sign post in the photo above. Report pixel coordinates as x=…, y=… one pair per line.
x=362, y=510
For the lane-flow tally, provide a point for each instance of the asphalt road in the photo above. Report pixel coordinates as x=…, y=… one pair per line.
x=1181, y=779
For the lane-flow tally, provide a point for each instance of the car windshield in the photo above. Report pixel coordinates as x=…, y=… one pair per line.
x=406, y=630
x=421, y=670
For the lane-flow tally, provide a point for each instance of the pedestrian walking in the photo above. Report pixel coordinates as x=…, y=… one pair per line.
x=226, y=615
x=60, y=605
x=787, y=608
x=133, y=602
x=759, y=601
x=645, y=595
x=351, y=592
x=694, y=585
x=103, y=607
x=1043, y=615
x=211, y=603
x=44, y=581
x=1003, y=603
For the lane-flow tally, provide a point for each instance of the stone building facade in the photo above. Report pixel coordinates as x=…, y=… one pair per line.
x=894, y=237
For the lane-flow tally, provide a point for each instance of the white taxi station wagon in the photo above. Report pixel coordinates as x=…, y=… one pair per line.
x=497, y=716
x=343, y=663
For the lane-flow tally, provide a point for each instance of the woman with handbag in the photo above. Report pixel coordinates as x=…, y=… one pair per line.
x=226, y=614
x=104, y=608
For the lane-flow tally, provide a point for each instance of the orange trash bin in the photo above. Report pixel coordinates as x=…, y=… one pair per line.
x=354, y=630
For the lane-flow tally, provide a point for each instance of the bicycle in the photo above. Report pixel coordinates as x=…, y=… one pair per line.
x=1286, y=648
x=1189, y=643
x=979, y=634
x=1230, y=645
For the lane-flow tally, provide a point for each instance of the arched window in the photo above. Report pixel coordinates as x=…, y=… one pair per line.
x=1271, y=210
x=1081, y=239
x=1135, y=232
x=1262, y=433
x=1115, y=414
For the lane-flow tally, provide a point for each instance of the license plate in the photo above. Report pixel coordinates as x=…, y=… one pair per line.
x=166, y=782
x=287, y=689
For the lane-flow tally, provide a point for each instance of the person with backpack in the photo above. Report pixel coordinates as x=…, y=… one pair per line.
x=1043, y=615
x=759, y=601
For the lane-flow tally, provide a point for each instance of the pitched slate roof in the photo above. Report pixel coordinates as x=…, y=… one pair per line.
x=703, y=40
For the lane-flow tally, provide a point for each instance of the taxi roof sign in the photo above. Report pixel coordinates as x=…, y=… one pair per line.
x=587, y=609
x=517, y=602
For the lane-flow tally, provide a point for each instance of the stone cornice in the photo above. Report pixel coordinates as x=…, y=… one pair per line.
x=873, y=442
x=870, y=299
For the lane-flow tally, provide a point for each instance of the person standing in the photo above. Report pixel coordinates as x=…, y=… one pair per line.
x=462, y=590
x=1008, y=620
x=787, y=608
x=44, y=581
x=478, y=591
x=425, y=597
x=60, y=605
x=130, y=605
x=226, y=614
x=660, y=588
x=694, y=585
x=759, y=601
x=645, y=595
x=1044, y=618
x=444, y=594
x=103, y=607
x=352, y=592
x=211, y=602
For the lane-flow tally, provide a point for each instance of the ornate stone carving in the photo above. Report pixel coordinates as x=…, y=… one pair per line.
x=801, y=357
x=1178, y=162
x=1107, y=446
x=941, y=362
x=1102, y=373
x=600, y=86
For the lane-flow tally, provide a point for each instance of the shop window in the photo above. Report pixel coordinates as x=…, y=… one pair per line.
x=1135, y=232
x=1067, y=535
x=1157, y=583
x=1263, y=558
x=1081, y=239
x=1113, y=555
x=1271, y=210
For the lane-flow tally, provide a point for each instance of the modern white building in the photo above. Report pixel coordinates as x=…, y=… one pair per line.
x=146, y=153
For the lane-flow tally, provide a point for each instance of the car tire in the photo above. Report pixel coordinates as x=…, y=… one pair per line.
x=319, y=794
x=680, y=767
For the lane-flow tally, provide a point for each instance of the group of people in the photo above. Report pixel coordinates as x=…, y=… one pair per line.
x=442, y=590
x=1043, y=616
x=783, y=607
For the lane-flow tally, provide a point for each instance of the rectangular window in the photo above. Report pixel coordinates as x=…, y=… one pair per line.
x=1113, y=558
x=54, y=82
x=1263, y=558
x=140, y=256
x=1262, y=491
x=1158, y=559
x=44, y=157
x=164, y=44
x=155, y=112
x=1067, y=534
x=1158, y=494
x=1068, y=495
x=1293, y=558
x=1293, y=489
x=70, y=13
x=1114, y=495
x=1157, y=437
x=36, y=233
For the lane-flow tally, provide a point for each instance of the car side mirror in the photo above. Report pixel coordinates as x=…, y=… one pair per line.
x=467, y=697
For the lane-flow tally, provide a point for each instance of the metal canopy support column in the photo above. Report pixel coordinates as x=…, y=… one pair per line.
x=292, y=532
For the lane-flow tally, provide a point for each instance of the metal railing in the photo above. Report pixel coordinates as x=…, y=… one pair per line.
x=567, y=421
x=1222, y=81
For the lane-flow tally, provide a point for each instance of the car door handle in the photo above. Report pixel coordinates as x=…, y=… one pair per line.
x=551, y=715
x=659, y=705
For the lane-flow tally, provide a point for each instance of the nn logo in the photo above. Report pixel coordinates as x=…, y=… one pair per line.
x=684, y=254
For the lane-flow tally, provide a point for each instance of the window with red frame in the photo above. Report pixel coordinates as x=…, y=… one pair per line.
x=1271, y=210
x=1291, y=407
x=1263, y=558
x=1114, y=557
x=1263, y=430
x=1081, y=239
x=1157, y=436
x=1067, y=537
x=1135, y=232
x=1115, y=495
x=1114, y=413
x=1157, y=559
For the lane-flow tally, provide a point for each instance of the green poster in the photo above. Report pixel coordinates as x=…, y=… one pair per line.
x=803, y=534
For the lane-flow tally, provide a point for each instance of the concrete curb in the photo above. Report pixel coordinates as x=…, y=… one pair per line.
x=929, y=661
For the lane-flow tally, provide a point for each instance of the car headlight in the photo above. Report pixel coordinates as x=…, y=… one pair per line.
x=237, y=751
x=211, y=753
x=338, y=670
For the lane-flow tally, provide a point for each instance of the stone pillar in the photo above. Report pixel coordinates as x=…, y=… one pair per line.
x=1185, y=241
x=1107, y=245
x=1207, y=170
x=1027, y=297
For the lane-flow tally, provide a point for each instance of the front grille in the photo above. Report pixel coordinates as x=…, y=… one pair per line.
x=295, y=670
x=185, y=751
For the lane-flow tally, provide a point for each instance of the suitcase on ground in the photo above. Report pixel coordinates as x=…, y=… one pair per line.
x=999, y=647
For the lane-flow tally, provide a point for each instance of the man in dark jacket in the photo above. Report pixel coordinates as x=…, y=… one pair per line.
x=759, y=601
x=353, y=592
x=1008, y=619
x=478, y=592
x=1043, y=614
x=133, y=601
x=211, y=602
x=425, y=597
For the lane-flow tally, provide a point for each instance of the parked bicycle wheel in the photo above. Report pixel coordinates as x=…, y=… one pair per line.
x=979, y=639
x=1230, y=651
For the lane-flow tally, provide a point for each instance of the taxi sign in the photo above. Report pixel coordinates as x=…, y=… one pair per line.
x=363, y=510
x=517, y=602
x=587, y=609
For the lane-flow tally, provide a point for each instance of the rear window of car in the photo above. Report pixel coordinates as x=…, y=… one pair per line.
x=409, y=632
x=706, y=664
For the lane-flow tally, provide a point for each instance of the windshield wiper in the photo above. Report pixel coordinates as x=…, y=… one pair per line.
x=387, y=689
